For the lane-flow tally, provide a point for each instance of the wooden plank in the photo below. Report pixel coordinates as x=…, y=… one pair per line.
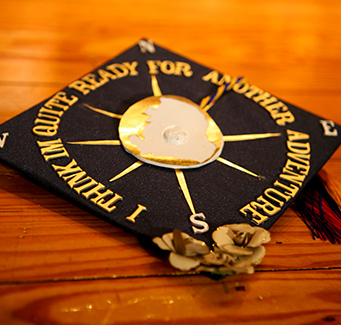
x=300, y=297
x=44, y=237
x=37, y=72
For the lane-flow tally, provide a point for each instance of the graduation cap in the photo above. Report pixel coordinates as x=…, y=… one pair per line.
x=151, y=142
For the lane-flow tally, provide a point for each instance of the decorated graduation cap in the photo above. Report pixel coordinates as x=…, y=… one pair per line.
x=152, y=142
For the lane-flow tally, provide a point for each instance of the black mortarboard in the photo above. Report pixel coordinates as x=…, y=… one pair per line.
x=151, y=142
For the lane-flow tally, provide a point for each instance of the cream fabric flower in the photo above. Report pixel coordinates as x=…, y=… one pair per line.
x=185, y=250
x=238, y=248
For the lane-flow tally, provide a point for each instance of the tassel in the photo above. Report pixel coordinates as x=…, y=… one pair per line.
x=332, y=187
x=318, y=205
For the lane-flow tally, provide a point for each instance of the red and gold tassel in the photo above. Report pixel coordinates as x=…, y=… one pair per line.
x=319, y=206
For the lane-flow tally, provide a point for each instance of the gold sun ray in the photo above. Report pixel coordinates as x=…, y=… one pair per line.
x=183, y=185
x=245, y=137
x=98, y=142
x=101, y=111
x=240, y=168
x=155, y=86
x=127, y=170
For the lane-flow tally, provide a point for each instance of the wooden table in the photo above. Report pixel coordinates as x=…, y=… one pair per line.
x=61, y=265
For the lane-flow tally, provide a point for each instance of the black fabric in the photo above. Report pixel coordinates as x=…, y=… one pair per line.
x=217, y=190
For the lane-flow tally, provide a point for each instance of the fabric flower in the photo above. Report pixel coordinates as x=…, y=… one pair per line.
x=243, y=243
x=185, y=250
x=238, y=248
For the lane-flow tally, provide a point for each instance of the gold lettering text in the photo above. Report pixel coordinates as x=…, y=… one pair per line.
x=71, y=168
x=213, y=77
x=257, y=217
x=263, y=204
x=136, y=213
x=289, y=190
x=184, y=68
x=274, y=195
x=92, y=190
x=96, y=193
x=82, y=86
x=293, y=175
x=92, y=81
x=56, y=100
x=47, y=121
x=169, y=67
x=109, y=205
x=45, y=130
x=52, y=149
x=278, y=110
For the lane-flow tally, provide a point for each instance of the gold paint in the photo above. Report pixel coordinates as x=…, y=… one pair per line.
x=77, y=186
x=204, y=105
x=265, y=205
x=292, y=177
x=82, y=86
x=245, y=137
x=124, y=69
x=152, y=65
x=127, y=170
x=170, y=160
x=98, y=142
x=294, y=166
x=298, y=147
x=257, y=217
x=294, y=173
x=45, y=130
x=78, y=180
x=52, y=149
x=213, y=77
x=109, y=205
x=134, y=121
x=169, y=67
x=183, y=67
x=260, y=210
x=274, y=195
x=220, y=91
x=302, y=158
x=71, y=168
x=50, y=111
x=91, y=78
x=242, y=169
x=289, y=190
x=55, y=106
x=96, y=193
x=278, y=110
x=136, y=213
x=155, y=85
x=55, y=101
x=101, y=111
x=182, y=182
x=297, y=136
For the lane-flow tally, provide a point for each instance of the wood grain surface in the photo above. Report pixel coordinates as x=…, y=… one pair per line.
x=61, y=265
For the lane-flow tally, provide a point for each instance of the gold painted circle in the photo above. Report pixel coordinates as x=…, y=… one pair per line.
x=163, y=131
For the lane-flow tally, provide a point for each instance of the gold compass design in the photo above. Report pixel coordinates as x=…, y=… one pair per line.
x=173, y=132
